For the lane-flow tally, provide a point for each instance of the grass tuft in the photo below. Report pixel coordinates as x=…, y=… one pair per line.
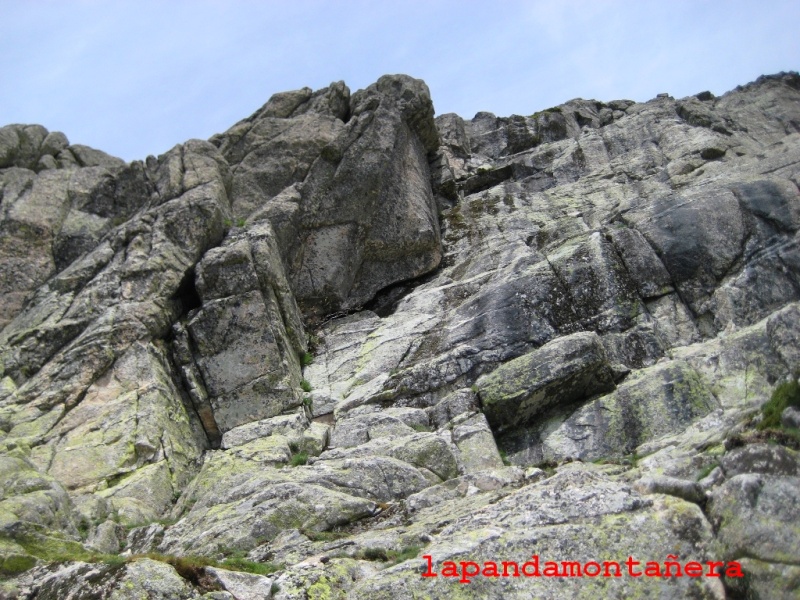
x=785, y=395
x=301, y=458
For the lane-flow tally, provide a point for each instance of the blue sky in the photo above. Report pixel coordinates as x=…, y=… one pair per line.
x=136, y=78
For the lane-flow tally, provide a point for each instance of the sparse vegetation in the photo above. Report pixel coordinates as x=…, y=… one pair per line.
x=248, y=566
x=632, y=459
x=298, y=459
x=305, y=385
x=306, y=359
x=54, y=549
x=504, y=457
x=706, y=471
x=785, y=395
x=322, y=536
x=548, y=466
x=391, y=556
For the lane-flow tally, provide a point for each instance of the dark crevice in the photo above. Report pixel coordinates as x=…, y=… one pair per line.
x=187, y=294
x=385, y=301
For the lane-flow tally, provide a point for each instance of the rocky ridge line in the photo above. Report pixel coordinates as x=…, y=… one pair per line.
x=344, y=332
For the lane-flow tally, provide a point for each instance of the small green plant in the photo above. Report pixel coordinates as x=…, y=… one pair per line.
x=228, y=223
x=275, y=588
x=322, y=536
x=305, y=385
x=403, y=555
x=548, y=466
x=374, y=554
x=504, y=458
x=313, y=341
x=706, y=471
x=393, y=556
x=83, y=529
x=241, y=222
x=306, y=359
x=248, y=566
x=785, y=395
x=420, y=427
x=298, y=459
x=632, y=459
x=308, y=402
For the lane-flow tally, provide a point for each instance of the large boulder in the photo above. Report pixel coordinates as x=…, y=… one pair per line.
x=247, y=337
x=367, y=217
x=565, y=370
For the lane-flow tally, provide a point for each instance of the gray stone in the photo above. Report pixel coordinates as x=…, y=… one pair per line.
x=369, y=219
x=680, y=488
x=107, y=537
x=243, y=586
x=615, y=283
x=766, y=580
x=477, y=448
x=248, y=311
x=784, y=336
x=641, y=261
x=291, y=426
x=563, y=371
x=790, y=417
x=142, y=578
x=761, y=458
x=754, y=516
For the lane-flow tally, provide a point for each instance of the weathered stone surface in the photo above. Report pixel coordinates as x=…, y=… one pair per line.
x=641, y=262
x=317, y=338
x=26, y=494
x=766, y=580
x=654, y=402
x=424, y=450
x=754, y=516
x=243, y=586
x=563, y=371
x=474, y=440
x=142, y=578
x=784, y=336
x=680, y=488
x=276, y=146
x=761, y=458
x=466, y=485
x=559, y=519
x=790, y=417
x=219, y=522
x=291, y=426
x=367, y=217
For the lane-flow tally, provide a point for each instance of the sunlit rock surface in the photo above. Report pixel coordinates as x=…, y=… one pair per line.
x=344, y=335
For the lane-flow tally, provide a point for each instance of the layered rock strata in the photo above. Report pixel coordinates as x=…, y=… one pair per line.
x=343, y=336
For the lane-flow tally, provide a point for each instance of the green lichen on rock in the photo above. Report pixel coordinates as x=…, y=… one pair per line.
x=786, y=394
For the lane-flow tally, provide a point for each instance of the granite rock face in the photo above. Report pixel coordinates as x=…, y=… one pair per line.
x=343, y=336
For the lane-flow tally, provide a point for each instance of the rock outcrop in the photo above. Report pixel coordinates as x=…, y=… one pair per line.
x=343, y=343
